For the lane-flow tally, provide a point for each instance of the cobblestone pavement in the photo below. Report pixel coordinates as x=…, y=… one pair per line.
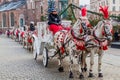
x=16, y=63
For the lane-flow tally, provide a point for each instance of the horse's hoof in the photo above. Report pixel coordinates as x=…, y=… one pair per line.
x=81, y=76
x=61, y=69
x=91, y=75
x=100, y=75
x=71, y=75
x=85, y=69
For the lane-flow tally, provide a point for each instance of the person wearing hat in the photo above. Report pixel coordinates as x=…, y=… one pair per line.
x=54, y=21
x=32, y=27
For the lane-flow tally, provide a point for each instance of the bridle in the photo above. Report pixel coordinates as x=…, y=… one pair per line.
x=84, y=28
x=106, y=33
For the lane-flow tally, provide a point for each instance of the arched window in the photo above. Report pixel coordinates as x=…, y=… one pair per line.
x=12, y=19
x=4, y=20
x=21, y=22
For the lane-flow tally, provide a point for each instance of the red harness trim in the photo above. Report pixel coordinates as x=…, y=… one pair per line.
x=74, y=37
x=29, y=40
x=22, y=34
x=101, y=43
x=80, y=45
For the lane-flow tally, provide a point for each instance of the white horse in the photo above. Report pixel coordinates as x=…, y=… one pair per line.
x=97, y=42
x=71, y=43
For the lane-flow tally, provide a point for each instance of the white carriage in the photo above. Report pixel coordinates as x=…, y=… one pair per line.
x=43, y=42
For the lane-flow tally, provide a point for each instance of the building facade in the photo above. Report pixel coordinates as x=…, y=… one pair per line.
x=17, y=13
x=114, y=6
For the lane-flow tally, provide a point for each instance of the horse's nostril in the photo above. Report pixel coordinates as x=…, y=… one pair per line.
x=109, y=38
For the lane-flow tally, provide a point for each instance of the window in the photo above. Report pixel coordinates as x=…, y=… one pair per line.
x=21, y=22
x=113, y=1
x=107, y=2
x=113, y=9
x=28, y=5
x=41, y=10
x=4, y=20
x=33, y=4
x=12, y=19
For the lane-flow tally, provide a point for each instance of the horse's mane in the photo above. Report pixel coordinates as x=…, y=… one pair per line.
x=98, y=25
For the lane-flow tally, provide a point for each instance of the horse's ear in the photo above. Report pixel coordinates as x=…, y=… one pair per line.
x=103, y=21
x=111, y=19
x=80, y=19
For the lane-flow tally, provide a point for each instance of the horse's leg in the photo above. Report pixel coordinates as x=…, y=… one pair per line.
x=84, y=60
x=91, y=63
x=80, y=62
x=71, y=63
x=100, y=63
x=60, y=69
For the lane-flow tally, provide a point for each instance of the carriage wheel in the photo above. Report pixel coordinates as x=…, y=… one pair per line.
x=45, y=57
x=35, y=55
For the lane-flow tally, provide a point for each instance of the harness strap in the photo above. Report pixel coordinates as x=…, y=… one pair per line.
x=75, y=36
x=99, y=39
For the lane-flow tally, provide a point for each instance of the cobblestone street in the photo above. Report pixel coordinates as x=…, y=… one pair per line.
x=16, y=63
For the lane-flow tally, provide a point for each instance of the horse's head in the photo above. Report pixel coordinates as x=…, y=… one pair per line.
x=84, y=24
x=107, y=29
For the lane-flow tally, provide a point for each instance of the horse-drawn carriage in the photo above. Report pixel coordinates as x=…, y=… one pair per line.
x=43, y=43
x=76, y=41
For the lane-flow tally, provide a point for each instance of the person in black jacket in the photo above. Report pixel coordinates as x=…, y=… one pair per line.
x=54, y=18
x=54, y=22
x=32, y=27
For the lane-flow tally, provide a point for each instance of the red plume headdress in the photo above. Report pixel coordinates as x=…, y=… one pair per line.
x=104, y=11
x=84, y=11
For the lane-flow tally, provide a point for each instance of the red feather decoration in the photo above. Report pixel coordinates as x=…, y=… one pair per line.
x=104, y=11
x=84, y=11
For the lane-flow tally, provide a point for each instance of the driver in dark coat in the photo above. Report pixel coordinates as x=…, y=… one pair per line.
x=54, y=22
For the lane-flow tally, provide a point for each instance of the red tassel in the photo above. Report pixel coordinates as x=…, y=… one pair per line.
x=22, y=34
x=83, y=11
x=105, y=47
x=29, y=40
x=112, y=31
x=81, y=30
x=62, y=50
x=104, y=11
x=89, y=25
x=103, y=33
x=80, y=47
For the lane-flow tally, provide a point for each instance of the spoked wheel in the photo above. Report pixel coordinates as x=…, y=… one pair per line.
x=45, y=57
x=35, y=55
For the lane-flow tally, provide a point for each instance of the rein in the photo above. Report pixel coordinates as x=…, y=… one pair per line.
x=99, y=39
x=74, y=37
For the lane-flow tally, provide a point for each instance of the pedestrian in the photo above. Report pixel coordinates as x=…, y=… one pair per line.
x=116, y=36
